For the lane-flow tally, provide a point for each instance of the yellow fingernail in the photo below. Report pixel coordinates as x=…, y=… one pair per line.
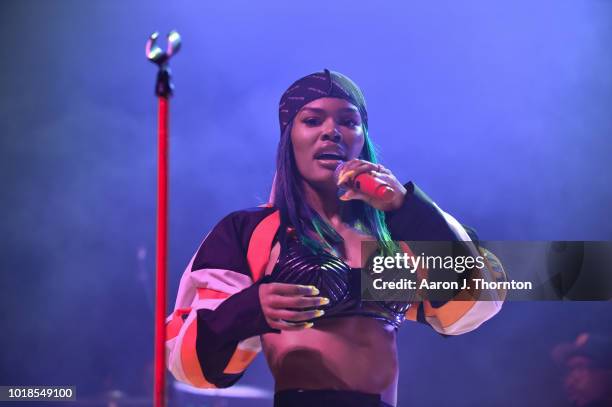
x=308, y=325
x=318, y=313
x=324, y=301
x=313, y=290
x=349, y=173
x=342, y=178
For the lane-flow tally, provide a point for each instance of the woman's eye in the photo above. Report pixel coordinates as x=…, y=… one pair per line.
x=350, y=123
x=311, y=121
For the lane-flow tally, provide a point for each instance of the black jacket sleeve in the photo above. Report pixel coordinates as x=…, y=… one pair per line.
x=418, y=218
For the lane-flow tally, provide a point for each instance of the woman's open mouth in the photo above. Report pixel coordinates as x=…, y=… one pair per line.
x=330, y=160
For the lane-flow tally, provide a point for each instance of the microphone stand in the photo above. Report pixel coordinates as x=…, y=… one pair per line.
x=163, y=90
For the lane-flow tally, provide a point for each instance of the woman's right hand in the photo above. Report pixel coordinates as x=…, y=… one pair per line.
x=289, y=306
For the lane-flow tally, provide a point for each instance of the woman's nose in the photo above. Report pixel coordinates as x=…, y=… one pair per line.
x=330, y=132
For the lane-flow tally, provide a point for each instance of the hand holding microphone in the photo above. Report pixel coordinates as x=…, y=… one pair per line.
x=369, y=182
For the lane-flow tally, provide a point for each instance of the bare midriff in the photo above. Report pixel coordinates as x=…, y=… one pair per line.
x=356, y=353
x=346, y=353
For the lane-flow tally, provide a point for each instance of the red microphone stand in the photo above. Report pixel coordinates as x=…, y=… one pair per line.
x=163, y=90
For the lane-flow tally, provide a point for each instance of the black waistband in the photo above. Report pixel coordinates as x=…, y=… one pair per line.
x=327, y=398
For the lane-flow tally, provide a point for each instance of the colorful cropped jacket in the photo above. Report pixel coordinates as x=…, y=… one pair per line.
x=213, y=334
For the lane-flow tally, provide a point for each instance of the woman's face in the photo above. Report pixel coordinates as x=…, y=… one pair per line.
x=325, y=132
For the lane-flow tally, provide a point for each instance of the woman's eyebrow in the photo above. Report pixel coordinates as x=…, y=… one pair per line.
x=313, y=109
x=319, y=110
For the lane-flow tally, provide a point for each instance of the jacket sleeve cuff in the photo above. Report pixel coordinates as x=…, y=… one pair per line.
x=237, y=318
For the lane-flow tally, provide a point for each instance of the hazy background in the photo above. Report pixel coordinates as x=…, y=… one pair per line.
x=500, y=111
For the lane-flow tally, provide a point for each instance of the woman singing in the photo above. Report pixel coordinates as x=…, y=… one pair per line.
x=286, y=275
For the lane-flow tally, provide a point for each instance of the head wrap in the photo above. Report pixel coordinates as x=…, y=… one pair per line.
x=315, y=86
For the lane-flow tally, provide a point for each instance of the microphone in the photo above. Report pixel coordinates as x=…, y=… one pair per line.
x=367, y=184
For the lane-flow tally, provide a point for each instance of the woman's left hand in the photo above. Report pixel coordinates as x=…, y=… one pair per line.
x=354, y=167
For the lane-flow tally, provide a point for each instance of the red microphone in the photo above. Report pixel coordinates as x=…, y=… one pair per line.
x=367, y=184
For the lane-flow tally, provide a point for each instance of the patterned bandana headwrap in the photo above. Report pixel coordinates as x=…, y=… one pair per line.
x=315, y=86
